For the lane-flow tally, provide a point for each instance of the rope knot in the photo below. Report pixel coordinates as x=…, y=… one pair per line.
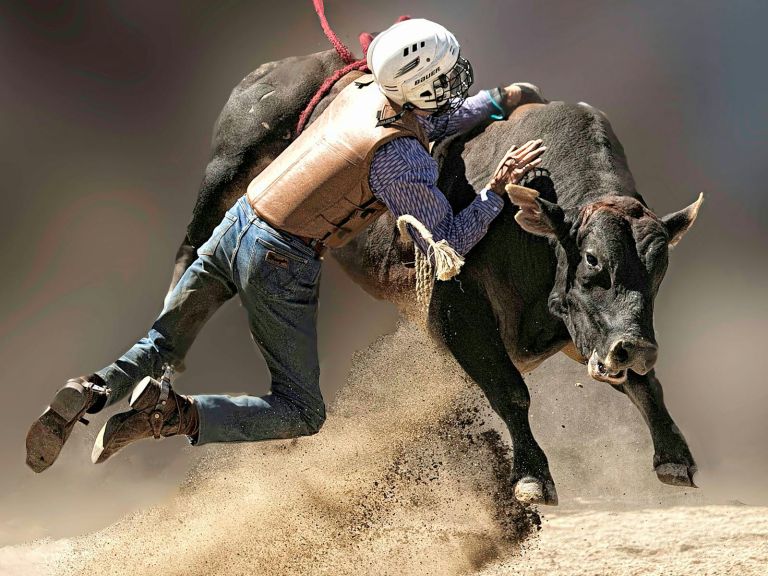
x=447, y=262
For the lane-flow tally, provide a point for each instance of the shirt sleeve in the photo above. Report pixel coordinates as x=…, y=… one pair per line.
x=474, y=110
x=404, y=176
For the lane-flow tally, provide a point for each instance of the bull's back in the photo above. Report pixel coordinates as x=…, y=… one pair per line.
x=584, y=158
x=256, y=124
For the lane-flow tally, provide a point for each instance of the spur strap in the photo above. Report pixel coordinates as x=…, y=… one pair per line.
x=156, y=418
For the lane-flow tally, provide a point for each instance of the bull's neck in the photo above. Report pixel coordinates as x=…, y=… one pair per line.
x=604, y=171
x=608, y=185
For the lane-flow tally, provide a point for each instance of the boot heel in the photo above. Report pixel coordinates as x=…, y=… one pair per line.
x=68, y=403
x=50, y=431
x=141, y=390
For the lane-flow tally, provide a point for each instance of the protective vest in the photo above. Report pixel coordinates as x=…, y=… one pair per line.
x=318, y=186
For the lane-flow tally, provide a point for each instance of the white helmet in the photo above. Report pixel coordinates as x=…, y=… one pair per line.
x=417, y=63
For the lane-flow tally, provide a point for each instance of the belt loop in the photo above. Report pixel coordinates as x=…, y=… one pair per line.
x=248, y=208
x=318, y=247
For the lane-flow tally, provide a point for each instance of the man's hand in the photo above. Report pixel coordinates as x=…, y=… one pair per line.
x=517, y=162
x=510, y=96
x=519, y=93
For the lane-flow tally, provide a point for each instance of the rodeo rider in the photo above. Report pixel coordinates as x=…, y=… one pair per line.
x=268, y=248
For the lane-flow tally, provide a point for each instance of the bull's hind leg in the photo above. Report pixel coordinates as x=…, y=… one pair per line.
x=185, y=255
x=223, y=183
x=463, y=318
x=672, y=458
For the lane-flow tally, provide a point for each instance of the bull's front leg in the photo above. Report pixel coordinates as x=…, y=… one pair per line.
x=463, y=318
x=672, y=459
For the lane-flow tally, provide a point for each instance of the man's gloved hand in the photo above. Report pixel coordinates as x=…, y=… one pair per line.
x=515, y=164
x=510, y=97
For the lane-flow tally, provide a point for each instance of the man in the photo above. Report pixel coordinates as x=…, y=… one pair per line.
x=368, y=152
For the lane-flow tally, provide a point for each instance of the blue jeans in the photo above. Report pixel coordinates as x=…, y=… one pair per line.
x=276, y=276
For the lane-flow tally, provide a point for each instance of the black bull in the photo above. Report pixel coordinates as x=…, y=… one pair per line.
x=575, y=268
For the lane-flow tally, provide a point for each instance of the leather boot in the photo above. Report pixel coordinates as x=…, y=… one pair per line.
x=156, y=411
x=51, y=430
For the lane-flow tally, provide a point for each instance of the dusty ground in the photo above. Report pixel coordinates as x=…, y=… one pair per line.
x=679, y=541
x=682, y=540
x=408, y=478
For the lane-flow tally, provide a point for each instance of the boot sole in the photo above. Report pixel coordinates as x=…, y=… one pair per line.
x=98, y=445
x=139, y=391
x=113, y=425
x=47, y=435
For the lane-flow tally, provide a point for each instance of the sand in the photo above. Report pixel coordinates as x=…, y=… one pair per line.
x=405, y=478
x=682, y=540
x=677, y=541
x=408, y=477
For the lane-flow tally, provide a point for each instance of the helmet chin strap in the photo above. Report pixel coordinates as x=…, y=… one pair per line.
x=392, y=119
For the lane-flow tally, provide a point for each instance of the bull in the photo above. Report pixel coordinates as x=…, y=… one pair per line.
x=573, y=263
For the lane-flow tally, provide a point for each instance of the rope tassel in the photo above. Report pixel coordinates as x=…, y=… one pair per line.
x=447, y=262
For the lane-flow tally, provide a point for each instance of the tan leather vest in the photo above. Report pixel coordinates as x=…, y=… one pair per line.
x=318, y=186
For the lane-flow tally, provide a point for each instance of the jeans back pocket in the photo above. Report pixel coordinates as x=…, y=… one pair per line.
x=276, y=269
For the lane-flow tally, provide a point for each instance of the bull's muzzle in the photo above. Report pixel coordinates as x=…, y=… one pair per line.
x=599, y=371
x=634, y=354
x=624, y=354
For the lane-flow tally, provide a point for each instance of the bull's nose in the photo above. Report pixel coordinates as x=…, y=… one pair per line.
x=639, y=355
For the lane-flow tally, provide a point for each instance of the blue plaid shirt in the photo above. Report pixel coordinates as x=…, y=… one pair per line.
x=404, y=176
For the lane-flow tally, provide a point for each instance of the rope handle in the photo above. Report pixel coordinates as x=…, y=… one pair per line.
x=447, y=261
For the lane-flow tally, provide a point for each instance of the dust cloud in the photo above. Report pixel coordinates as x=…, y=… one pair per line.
x=408, y=476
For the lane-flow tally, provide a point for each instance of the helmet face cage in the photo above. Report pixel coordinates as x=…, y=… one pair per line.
x=451, y=89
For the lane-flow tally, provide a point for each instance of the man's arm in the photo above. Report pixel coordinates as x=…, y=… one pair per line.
x=475, y=109
x=494, y=104
x=403, y=176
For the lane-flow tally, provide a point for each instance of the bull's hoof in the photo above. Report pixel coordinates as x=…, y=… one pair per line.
x=676, y=474
x=529, y=490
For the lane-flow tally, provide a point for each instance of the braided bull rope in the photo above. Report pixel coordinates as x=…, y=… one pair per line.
x=447, y=262
x=350, y=63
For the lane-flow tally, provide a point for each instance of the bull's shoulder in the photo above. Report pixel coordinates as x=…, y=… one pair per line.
x=584, y=157
x=265, y=105
x=305, y=72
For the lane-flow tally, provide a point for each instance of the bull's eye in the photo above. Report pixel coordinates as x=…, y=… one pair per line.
x=591, y=259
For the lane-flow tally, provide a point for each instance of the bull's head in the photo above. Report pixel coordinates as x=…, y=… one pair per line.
x=612, y=256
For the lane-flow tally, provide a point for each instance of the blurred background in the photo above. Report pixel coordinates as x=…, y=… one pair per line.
x=106, y=111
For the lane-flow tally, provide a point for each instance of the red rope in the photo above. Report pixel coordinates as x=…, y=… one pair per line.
x=365, y=41
x=343, y=51
x=324, y=90
x=346, y=56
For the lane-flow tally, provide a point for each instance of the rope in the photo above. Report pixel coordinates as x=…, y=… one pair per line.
x=447, y=262
x=341, y=49
x=346, y=56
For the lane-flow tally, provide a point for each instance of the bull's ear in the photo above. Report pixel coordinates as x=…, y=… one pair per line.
x=678, y=223
x=536, y=215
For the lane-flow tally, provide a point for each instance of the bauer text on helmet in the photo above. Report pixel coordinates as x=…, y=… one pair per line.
x=417, y=62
